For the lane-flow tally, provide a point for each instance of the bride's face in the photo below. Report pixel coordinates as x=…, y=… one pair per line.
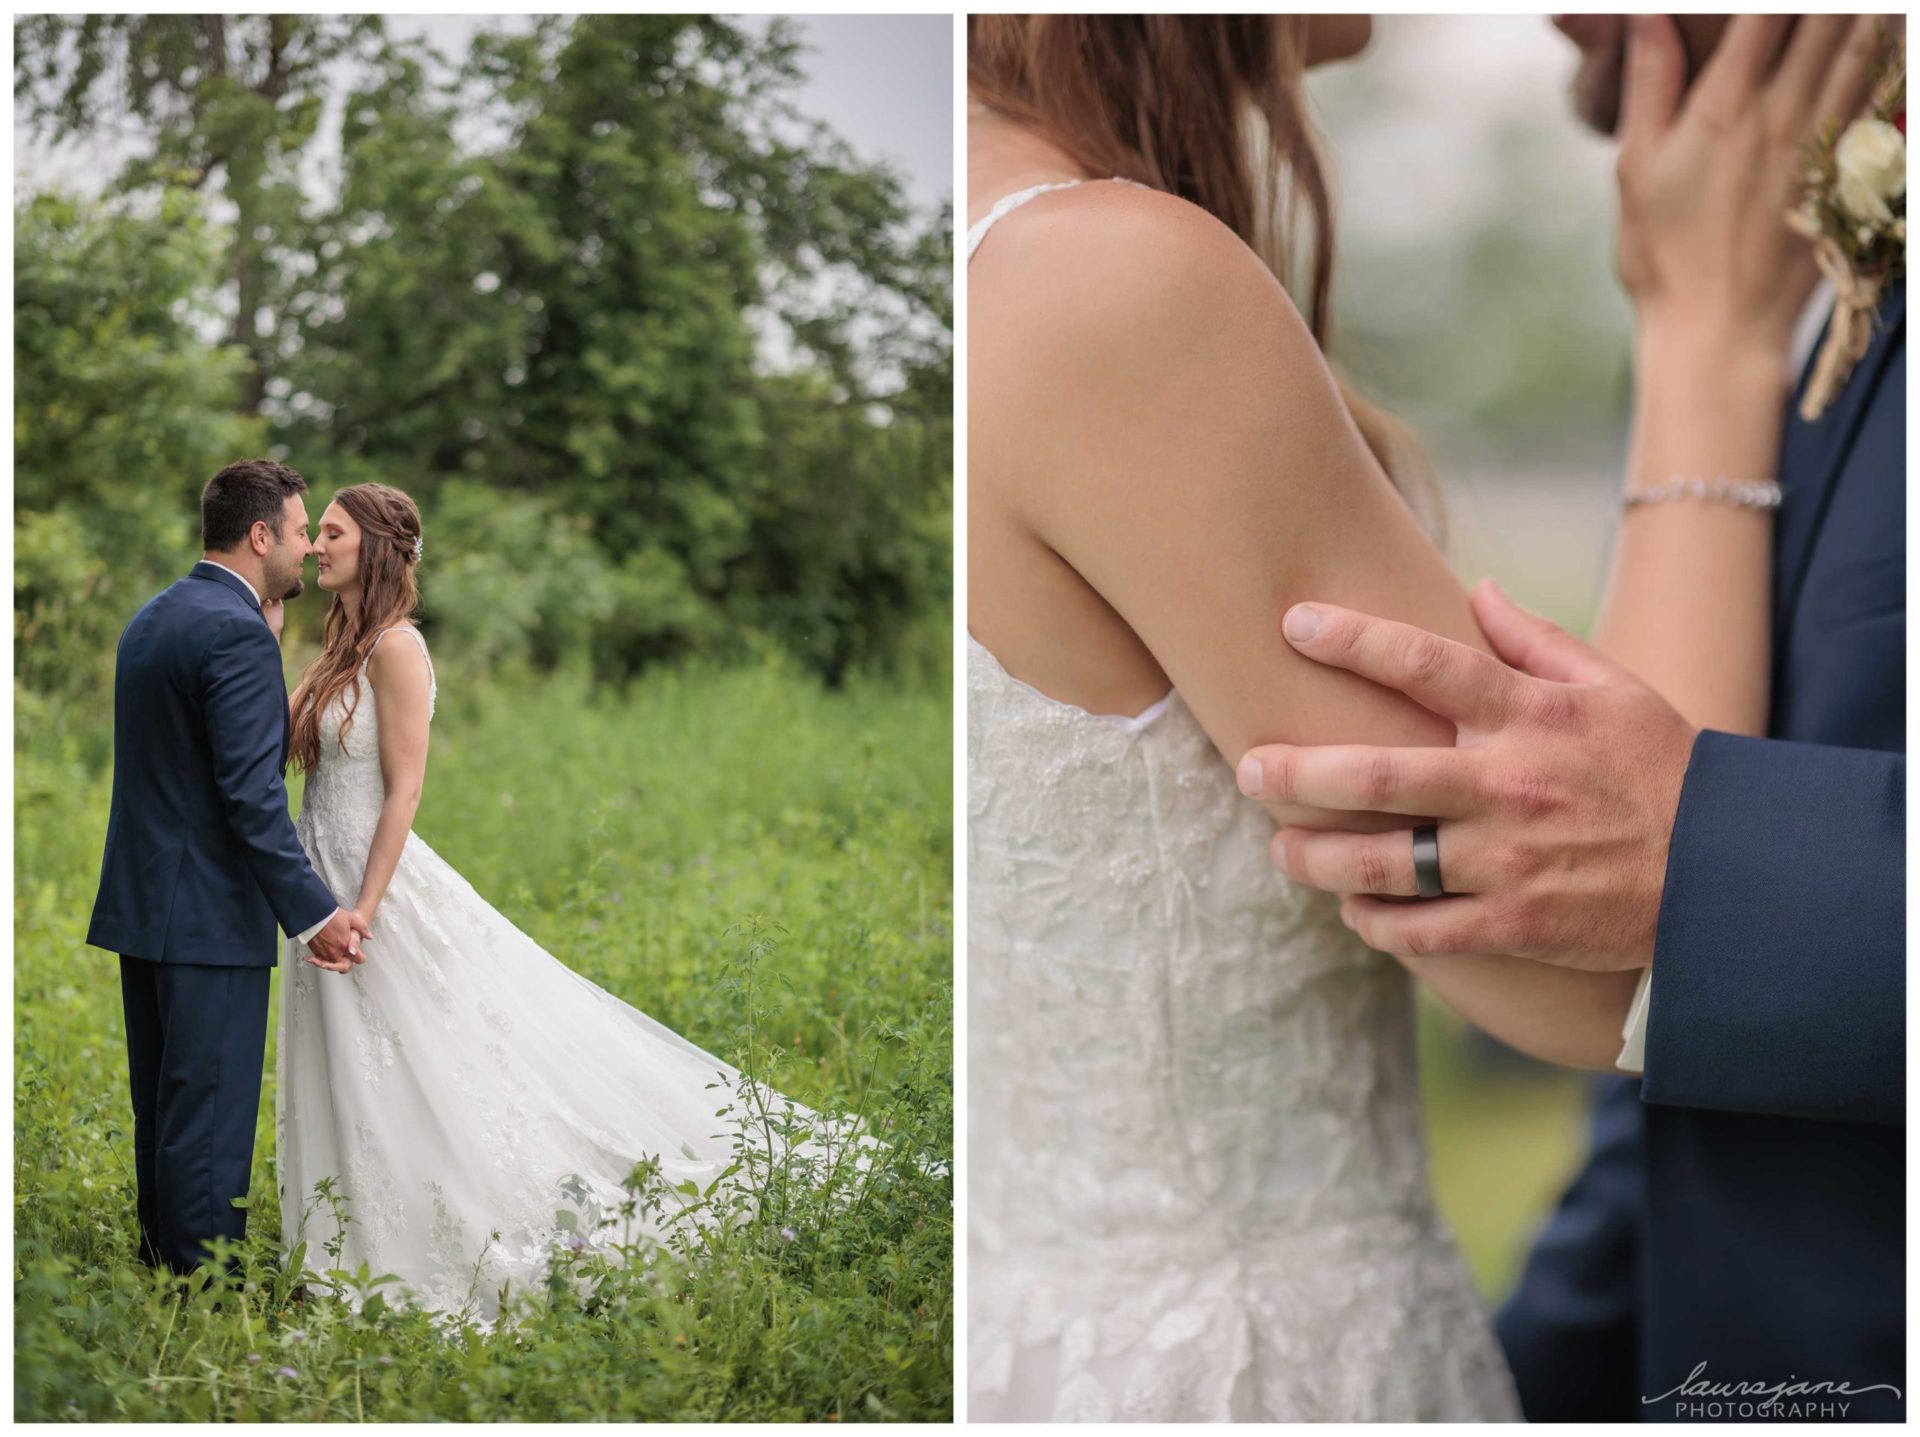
x=337, y=550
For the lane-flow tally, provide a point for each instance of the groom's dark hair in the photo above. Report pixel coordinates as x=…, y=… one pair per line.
x=245, y=493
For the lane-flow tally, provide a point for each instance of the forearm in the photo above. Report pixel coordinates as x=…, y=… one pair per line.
x=1558, y=1015
x=389, y=838
x=1688, y=597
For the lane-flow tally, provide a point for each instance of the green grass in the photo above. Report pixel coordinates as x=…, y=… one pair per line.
x=761, y=865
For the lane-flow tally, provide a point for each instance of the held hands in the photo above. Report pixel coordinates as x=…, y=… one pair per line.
x=336, y=947
x=1554, y=810
x=1706, y=178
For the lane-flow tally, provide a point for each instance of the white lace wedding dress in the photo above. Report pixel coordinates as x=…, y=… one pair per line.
x=1197, y=1184
x=453, y=1082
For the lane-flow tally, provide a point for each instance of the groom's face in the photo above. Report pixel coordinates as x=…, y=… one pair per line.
x=1602, y=40
x=281, y=563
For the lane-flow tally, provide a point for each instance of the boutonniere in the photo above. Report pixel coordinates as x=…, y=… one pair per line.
x=1855, y=212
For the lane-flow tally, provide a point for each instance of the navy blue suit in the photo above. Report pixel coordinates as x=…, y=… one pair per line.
x=201, y=866
x=1744, y=1203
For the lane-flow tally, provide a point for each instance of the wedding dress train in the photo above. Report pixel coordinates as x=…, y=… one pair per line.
x=462, y=1085
x=1197, y=1185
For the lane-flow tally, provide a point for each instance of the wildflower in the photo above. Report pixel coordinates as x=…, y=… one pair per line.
x=385, y=1360
x=299, y=1334
x=787, y=1234
x=286, y=1372
x=253, y=1359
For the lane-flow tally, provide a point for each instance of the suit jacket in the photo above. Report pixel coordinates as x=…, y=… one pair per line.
x=202, y=861
x=1744, y=1205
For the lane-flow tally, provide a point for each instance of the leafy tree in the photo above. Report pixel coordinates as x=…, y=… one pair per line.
x=229, y=102
x=666, y=366
x=121, y=412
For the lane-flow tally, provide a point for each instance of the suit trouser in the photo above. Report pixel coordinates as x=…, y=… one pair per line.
x=196, y=1042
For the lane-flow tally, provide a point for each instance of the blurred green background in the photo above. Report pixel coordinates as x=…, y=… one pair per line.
x=1474, y=297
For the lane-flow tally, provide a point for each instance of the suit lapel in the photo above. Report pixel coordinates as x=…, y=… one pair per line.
x=1812, y=455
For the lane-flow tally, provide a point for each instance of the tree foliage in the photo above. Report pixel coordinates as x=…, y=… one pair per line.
x=666, y=366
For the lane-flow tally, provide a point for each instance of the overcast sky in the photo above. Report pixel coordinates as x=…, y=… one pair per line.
x=883, y=82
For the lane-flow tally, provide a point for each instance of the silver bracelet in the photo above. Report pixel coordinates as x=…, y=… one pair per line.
x=1748, y=493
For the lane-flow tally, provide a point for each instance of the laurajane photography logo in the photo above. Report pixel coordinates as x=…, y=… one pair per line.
x=1702, y=1396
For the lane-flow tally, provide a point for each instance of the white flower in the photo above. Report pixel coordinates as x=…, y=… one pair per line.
x=1871, y=161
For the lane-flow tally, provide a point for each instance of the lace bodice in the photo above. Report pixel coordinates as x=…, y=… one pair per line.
x=345, y=792
x=1231, y=1061
x=1198, y=1182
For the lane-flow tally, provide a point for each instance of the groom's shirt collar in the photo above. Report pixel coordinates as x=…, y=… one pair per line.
x=241, y=577
x=1813, y=319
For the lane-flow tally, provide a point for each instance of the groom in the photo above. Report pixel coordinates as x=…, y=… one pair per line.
x=1735, y=1246
x=202, y=862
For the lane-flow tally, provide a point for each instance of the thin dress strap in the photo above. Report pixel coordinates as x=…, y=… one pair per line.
x=1007, y=204
x=433, y=684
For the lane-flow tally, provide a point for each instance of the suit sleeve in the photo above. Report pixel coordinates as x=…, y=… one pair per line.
x=1569, y=1328
x=1779, y=964
x=245, y=701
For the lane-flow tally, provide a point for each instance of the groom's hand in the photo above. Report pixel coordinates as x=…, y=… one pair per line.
x=1554, y=809
x=336, y=947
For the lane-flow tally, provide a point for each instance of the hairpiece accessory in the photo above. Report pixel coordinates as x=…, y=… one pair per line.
x=419, y=548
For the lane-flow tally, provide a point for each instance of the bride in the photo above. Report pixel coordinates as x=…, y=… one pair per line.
x=460, y=1087
x=1198, y=1185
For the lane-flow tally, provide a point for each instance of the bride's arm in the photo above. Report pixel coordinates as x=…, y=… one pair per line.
x=1163, y=422
x=1718, y=282
x=1191, y=459
x=402, y=689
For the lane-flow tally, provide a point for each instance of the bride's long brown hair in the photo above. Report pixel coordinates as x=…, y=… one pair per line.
x=1211, y=108
x=389, y=534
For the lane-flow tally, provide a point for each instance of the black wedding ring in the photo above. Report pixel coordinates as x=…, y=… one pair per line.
x=1426, y=860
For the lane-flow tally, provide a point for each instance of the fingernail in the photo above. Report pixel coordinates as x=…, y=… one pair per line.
x=1249, y=776
x=1302, y=623
x=1279, y=852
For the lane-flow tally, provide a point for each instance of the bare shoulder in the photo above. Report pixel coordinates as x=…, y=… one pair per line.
x=400, y=662
x=1118, y=264
x=1124, y=321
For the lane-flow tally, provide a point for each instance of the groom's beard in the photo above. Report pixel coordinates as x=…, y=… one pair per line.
x=296, y=586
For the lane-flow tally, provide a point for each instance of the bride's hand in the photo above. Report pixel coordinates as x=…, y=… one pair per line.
x=1706, y=180
x=275, y=611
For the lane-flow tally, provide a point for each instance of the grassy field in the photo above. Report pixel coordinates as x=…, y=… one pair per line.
x=763, y=866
